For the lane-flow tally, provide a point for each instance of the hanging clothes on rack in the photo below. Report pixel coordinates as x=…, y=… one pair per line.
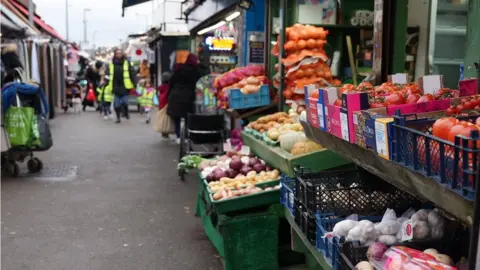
x=35, y=63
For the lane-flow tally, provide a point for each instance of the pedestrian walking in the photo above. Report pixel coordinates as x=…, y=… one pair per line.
x=105, y=98
x=181, y=94
x=122, y=80
x=147, y=98
x=163, y=94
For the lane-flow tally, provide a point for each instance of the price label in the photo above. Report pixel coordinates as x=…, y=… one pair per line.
x=432, y=83
x=227, y=146
x=344, y=126
x=407, y=230
x=400, y=78
x=245, y=150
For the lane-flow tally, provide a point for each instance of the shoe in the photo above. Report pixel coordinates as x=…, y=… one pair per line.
x=105, y=118
x=118, y=121
x=148, y=121
x=177, y=141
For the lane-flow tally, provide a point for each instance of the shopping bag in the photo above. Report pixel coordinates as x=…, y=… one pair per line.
x=42, y=134
x=91, y=96
x=19, y=126
x=163, y=122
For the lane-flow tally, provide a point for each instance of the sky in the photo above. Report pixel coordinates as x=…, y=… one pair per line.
x=105, y=25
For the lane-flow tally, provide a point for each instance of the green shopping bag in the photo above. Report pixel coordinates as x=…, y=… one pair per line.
x=19, y=125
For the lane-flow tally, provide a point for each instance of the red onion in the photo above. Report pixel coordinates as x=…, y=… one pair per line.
x=376, y=250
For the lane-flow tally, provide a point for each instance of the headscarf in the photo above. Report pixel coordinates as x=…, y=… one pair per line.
x=192, y=60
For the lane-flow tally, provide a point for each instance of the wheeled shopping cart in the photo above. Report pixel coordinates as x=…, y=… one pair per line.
x=25, y=101
x=201, y=131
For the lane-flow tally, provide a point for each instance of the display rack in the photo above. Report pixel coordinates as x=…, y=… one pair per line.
x=399, y=176
x=285, y=162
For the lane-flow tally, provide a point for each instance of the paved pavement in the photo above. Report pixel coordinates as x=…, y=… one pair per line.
x=125, y=209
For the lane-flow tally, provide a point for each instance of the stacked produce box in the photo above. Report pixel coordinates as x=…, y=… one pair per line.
x=397, y=120
x=305, y=61
x=247, y=81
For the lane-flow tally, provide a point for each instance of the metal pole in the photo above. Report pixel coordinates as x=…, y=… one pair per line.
x=66, y=18
x=281, y=100
x=31, y=12
x=85, y=10
x=268, y=36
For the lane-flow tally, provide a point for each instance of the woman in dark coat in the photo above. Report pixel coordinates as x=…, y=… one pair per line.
x=181, y=96
x=10, y=62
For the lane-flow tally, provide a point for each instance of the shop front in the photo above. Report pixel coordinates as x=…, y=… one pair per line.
x=226, y=35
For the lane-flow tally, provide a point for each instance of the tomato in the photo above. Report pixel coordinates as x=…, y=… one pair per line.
x=442, y=127
x=426, y=98
x=364, y=86
x=444, y=93
x=347, y=88
x=395, y=99
x=287, y=94
x=460, y=108
x=314, y=94
x=463, y=128
x=338, y=102
x=377, y=105
x=413, y=89
x=468, y=105
x=412, y=98
x=450, y=111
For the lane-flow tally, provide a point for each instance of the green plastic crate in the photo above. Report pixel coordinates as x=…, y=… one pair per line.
x=260, y=185
x=246, y=201
x=250, y=242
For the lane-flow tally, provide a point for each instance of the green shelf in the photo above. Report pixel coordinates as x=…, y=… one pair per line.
x=315, y=259
x=286, y=162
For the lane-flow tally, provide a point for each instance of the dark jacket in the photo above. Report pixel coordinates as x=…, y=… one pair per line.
x=10, y=62
x=181, y=95
x=118, y=85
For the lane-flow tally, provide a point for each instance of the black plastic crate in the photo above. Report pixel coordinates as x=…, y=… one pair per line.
x=351, y=253
x=348, y=191
x=306, y=222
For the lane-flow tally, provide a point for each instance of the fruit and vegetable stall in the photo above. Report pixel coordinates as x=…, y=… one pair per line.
x=350, y=176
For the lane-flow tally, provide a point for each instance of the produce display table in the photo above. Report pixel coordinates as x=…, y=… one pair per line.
x=285, y=162
x=314, y=259
x=399, y=176
x=246, y=240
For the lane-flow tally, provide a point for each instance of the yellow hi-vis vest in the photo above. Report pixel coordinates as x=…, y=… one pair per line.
x=105, y=93
x=146, y=99
x=126, y=76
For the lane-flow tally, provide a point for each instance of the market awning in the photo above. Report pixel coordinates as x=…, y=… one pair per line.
x=9, y=26
x=47, y=28
x=7, y=13
x=129, y=3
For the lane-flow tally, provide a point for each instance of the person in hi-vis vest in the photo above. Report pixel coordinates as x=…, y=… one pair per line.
x=122, y=80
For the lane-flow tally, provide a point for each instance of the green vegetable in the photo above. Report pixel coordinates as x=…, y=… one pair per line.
x=189, y=162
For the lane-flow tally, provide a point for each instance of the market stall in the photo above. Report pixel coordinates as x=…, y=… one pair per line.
x=377, y=168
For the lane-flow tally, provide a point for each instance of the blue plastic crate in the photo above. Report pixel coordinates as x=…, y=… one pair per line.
x=287, y=193
x=329, y=247
x=237, y=100
x=414, y=147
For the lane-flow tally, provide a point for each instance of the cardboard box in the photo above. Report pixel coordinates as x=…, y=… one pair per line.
x=382, y=138
x=312, y=112
x=364, y=122
x=327, y=96
x=351, y=103
x=340, y=119
x=468, y=87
